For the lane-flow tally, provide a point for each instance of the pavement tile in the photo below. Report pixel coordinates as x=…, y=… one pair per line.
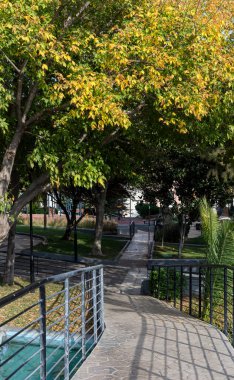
x=146, y=339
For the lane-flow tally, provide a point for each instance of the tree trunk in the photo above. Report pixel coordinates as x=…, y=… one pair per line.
x=163, y=229
x=4, y=227
x=100, y=210
x=70, y=216
x=45, y=209
x=8, y=277
x=39, y=185
x=8, y=161
x=182, y=236
x=69, y=228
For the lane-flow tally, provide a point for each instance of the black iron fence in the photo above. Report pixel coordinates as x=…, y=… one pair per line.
x=48, y=328
x=203, y=291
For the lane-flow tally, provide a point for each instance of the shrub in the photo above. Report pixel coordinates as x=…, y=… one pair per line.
x=171, y=233
x=60, y=221
x=161, y=283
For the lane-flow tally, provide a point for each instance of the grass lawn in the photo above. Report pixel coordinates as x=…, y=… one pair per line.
x=171, y=252
x=111, y=246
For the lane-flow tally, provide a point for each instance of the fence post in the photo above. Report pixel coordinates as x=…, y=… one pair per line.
x=167, y=283
x=233, y=307
x=159, y=278
x=225, y=300
x=102, y=300
x=181, y=288
x=190, y=290
x=66, y=332
x=83, y=327
x=95, y=306
x=211, y=295
x=174, y=287
x=42, y=295
x=200, y=293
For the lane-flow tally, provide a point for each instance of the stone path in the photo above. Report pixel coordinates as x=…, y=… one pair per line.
x=147, y=339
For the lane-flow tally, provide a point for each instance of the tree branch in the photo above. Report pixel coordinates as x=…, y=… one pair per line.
x=39, y=185
x=111, y=137
x=28, y=105
x=39, y=115
x=10, y=61
x=70, y=20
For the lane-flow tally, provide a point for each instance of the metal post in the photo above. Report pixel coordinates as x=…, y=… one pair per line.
x=167, y=283
x=233, y=307
x=75, y=243
x=130, y=213
x=174, y=287
x=32, y=272
x=199, y=295
x=225, y=301
x=66, y=331
x=211, y=296
x=102, y=300
x=42, y=332
x=149, y=226
x=158, y=282
x=190, y=290
x=83, y=327
x=95, y=306
x=181, y=288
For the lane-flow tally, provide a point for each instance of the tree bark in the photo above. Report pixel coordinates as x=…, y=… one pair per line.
x=45, y=209
x=8, y=161
x=9, y=271
x=182, y=236
x=100, y=210
x=39, y=185
x=71, y=217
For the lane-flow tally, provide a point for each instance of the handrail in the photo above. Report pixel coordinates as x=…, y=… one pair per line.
x=204, y=291
x=29, y=288
x=153, y=263
x=64, y=326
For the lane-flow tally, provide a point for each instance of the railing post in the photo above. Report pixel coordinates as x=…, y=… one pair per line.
x=174, y=287
x=83, y=326
x=102, y=300
x=199, y=294
x=190, y=290
x=42, y=295
x=66, y=332
x=232, y=307
x=159, y=269
x=94, y=292
x=211, y=295
x=181, y=288
x=225, y=301
x=167, y=283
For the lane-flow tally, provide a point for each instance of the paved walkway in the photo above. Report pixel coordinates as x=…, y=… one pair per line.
x=147, y=339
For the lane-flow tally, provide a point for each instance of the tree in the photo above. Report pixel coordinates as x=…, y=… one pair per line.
x=146, y=209
x=71, y=69
x=48, y=81
x=179, y=177
x=72, y=194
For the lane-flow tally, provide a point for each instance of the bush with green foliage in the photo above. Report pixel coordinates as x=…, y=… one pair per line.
x=161, y=283
x=171, y=233
x=144, y=211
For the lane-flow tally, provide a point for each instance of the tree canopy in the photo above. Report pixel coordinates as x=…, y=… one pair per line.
x=73, y=73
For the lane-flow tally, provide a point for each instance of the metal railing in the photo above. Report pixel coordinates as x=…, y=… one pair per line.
x=48, y=328
x=203, y=291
